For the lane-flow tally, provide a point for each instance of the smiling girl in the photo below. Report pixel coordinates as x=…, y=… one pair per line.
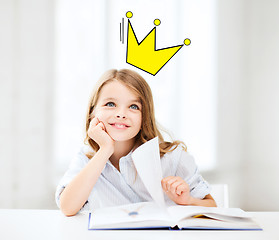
x=120, y=118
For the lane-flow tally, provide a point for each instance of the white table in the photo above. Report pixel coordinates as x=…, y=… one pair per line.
x=52, y=224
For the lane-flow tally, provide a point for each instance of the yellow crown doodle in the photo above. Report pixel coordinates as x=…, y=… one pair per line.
x=144, y=55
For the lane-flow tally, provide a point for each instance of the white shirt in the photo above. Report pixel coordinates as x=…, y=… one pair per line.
x=125, y=186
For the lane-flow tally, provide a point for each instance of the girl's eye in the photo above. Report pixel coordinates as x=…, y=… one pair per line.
x=110, y=104
x=134, y=106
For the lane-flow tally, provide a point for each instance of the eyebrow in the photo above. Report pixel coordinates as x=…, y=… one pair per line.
x=114, y=99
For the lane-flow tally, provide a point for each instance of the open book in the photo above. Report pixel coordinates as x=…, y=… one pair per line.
x=147, y=215
x=152, y=215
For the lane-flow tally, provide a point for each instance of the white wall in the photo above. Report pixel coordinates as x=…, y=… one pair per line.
x=26, y=62
x=230, y=99
x=262, y=109
x=248, y=87
x=248, y=125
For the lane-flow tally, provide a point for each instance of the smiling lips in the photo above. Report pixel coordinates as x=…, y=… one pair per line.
x=119, y=125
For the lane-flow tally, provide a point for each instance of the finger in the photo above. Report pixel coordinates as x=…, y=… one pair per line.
x=164, y=182
x=166, y=179
x=181, y=188
x=164, y=188
x=163, y=185
x=94, y=122
x=101, y=125
x=171, y=181
x=170, y=185
x=174, y=186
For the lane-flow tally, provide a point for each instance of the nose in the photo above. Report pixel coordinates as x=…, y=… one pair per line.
x=121, y=114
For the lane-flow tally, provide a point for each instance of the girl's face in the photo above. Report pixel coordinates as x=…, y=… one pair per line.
x=120, y=110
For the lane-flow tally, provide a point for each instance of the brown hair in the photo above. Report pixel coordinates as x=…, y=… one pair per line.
x=139, y=86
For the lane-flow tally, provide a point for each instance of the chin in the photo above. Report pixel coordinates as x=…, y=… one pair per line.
x=119, y=138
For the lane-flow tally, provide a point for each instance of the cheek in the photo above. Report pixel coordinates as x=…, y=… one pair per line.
x=102, y=115
x=138, y=121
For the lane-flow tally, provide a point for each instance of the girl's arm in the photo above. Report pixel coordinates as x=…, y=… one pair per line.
x=78, y=190
x=207, y=201
x=179, y=192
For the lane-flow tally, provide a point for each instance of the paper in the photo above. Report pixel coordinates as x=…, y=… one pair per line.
x=148, y=165
x=179, y=212
x=147, y=211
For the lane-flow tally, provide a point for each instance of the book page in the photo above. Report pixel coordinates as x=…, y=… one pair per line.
x=207, y=223
x=125, y=214
x=148, y=164
x=182, y=212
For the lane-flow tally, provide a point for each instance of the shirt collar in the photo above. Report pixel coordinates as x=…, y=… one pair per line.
x=126, y=158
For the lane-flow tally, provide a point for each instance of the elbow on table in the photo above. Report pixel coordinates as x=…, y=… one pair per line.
x=67, y=209
x=68, y=212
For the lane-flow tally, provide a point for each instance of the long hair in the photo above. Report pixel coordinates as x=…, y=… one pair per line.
x=139, y=86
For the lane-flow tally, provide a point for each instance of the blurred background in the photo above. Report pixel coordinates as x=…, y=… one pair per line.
x=219, y=94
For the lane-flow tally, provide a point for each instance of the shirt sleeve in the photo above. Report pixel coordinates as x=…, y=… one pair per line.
x=188, y=170
x=77, y=164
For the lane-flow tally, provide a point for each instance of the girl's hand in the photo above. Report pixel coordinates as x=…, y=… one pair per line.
x=177, y=190
x=97, y=132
